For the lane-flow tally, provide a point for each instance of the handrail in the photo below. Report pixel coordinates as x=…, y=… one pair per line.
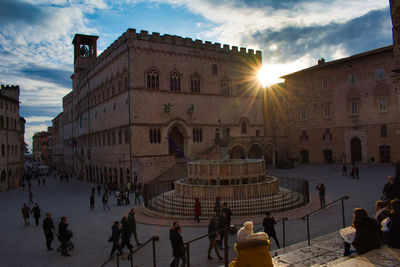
x=307, y=216
x=327, y=205
x=153, y=238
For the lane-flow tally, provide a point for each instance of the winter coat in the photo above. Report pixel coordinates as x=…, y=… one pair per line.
x=116, y=233
x=254, y=253
x=394, y=231
x=269, y=227
x=212, y=227
x=25, y=212
x=197, y=208
x=368, y=235
x=125, y=233
x=63, y=233
x=228, y=213
x=48, y=225
x=36, y=212
x=178, y=248
x=132, y=223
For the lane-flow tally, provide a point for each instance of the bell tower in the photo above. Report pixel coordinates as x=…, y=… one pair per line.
x=85, y=51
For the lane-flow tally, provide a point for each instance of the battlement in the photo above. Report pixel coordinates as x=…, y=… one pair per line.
x=181, y=41
x=10, y=91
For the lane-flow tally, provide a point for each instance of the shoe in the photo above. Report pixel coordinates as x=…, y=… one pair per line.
x=50, y=249
x=219, y=257
x=209, y=257
x=66, y=255
x=139, y=244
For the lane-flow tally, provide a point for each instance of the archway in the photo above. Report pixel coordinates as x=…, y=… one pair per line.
x=237, y=152
x=3, y=181
x=269, y=155
x=304, y=156
x=355, y=145
x=176, y=143
x=255, y=152
x=328, y=156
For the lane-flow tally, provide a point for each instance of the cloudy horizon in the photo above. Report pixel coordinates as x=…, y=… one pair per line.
x=36, y=36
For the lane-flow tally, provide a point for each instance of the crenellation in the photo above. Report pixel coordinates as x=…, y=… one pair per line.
x=177, y=40
x=235, y=49
x=226, y=48
x=131, y=33
x=198, y=43
x=250, y=51
x=208, y=44
x=144, y=35
x=167, y=38
x=217, y=46
x=243, y=50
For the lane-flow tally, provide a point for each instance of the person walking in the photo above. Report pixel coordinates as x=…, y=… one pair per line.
x=48, y=227
x=36, y=213
x=38, y=181
x=116, y=233
x=321, y=191
x=125, y=237
x=221, y=227
x=178, y=247
x=172, y=232
x=217, y=206
x=344, y=170
x=92, y=201
x=30, y=196
x=227, y=210
x=357, y=173
x=64, y=235
x=197, y=210
x=98, y=189
x=104, y=200
x=212, y=238
x=44, y=181
x=132, y=226
x=25, y=214
x=269, y=227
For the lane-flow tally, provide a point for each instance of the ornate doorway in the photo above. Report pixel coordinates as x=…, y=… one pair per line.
x=176, y=143
x=356, y=153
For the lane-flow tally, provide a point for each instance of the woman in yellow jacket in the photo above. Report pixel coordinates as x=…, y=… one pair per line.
x=252, y=249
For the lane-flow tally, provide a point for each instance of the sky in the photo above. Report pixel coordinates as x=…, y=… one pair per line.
x=36, y=52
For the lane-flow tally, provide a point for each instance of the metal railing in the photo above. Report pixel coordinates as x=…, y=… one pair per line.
x=307, y=216
x=130, y=255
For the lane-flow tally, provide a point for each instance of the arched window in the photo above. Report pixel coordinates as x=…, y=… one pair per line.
x=214, y=70
x=175, y=81
x=152, y=79
x=2, y=122
x=6, y=122
x=195, y=83
x=243, y=127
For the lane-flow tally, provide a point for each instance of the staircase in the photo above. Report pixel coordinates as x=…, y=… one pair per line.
x=328, y=250
x=178, y=171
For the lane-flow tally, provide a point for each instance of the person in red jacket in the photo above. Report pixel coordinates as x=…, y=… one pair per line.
x=197, y=210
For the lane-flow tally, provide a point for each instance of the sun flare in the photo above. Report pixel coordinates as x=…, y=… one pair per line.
x=269, y=75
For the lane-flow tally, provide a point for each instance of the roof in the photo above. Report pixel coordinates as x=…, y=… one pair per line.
x=342, y=60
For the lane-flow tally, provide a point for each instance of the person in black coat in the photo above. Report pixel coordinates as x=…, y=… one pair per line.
x=36, y=213
x=212, y=236
x=116, y=233
x=394, y=225
x=368, y=233
x=172, y=232
x=321, y=191
x=178, y=247
x=125, y=234
x=269, y=227
x=64, y=235
x=48, y=227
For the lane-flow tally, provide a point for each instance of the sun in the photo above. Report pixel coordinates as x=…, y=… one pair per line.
x=269, y=74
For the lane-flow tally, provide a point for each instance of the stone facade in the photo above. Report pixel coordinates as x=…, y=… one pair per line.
x=148, y=97
x=40, y=147
x=56, y=154
x=12, y=128
x=345, y=110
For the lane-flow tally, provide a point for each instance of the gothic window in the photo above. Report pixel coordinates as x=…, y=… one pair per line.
x=195, y=83
x=225, y=132
x=197, y=135
x=383, y=130
x=7, y=121
x=304, y=136
x=351, y=78
x=327, y=110
x=2, y=122
x=125, y=83
x=243, y=127
x=152, y=79
x=324, y=84
x=225, y=87
x=354, y=107
x=214, y=70
x=120, y=137
x=119, y=86
x=155, y=136
x=379, y=74
x=104, y=139
x=127, y=136
x=382, y=103
x=175, y=81
x=113, y=138
x=303, y=114
x=109, y=138
x=327, y=135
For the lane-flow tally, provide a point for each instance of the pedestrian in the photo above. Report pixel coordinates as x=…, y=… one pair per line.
x=221, y=224
x=373, y=161
x=38, y=181
x=98, y=189
x=30, y=195
x=116, y=233
x=217, y=206
x=132, y=226
x=118, y=196
x=197, y=210
x=344, y=170
x=64, y=235
x=357, y=173
x=104, y=200
x=212, y=238
x=93, y=189
x=48, y=227
x=172, y=232
x=139, y=187
x=25, y=214
x=125, y=237
x=23, y=185
x=44, y=181
x=137, y=195
x=36, y=213
x=227, y=210
x=178, y=247
x=321, y=191
x=92, y=201
x=269, y=227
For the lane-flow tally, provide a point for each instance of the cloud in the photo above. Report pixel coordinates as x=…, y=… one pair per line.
x=30, y=130
x=12, y=12
x=372, y=30
x=56, y=76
